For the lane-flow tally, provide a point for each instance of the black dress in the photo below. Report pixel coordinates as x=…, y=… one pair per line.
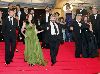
x=89, y=43
x=68, y=24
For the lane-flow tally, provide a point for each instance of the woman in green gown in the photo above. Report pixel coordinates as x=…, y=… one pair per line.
x=33, y=53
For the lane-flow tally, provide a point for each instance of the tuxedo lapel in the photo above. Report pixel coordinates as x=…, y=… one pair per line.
x=93, y=17
x=97, y=17
x=8, y=21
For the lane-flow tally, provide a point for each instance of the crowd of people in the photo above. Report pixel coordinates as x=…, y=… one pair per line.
x=83, y=29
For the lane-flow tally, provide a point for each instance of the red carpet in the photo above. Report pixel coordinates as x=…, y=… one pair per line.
x=66, y=63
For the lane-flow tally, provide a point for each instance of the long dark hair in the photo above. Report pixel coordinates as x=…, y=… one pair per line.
x=26, y=20
x=86, y=17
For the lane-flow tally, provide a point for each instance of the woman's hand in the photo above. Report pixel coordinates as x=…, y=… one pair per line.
x=90, y=28
x=71, y=28
x=31, y=24
x=40, y=31
x=25, y=36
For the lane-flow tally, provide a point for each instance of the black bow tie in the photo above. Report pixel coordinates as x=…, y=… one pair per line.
x=11, y=17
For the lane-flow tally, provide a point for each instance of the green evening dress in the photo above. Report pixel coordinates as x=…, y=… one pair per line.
x=33, y=52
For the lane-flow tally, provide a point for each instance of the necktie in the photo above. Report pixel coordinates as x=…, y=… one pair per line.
x=11, y=20
x=55, y=28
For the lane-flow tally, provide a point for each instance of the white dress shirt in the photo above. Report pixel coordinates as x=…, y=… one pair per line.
x=53, y=30
x=95, y=16
x=19, y=14
x=33, y=15
x=79, y=25
x=10, y=19
x=81, y=10
x=47, y=17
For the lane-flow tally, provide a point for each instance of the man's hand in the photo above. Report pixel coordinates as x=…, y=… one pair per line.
x=71, y=28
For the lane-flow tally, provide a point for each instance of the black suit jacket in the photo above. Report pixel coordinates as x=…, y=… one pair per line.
x=53, y=37
x=83, y=12
x=95, y=22
x=43, y=21
x=9, y=29
x=23, y=16
x=76, y=30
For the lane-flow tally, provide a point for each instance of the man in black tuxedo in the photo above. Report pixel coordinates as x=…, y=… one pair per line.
x=32, y=11
x=81, y=10
x=76, y=28
x=45, y=33
x=53, y=38
x=95, y=20
x=5, y=11
x=21, y=17
x=9, y=31
x=24, y=13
